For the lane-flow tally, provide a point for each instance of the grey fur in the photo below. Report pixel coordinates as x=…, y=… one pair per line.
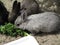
x=45, y=22
x=14, y=12
x=29, y=7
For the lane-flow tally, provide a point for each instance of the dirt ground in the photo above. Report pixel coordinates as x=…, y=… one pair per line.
x=43, y=39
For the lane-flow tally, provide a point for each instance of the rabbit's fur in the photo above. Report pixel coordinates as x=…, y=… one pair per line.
x=44, y=22
x=14, y=12
x=29, y=7
x=3, y=14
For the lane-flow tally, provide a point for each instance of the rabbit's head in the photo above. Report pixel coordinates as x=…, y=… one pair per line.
x=21, y=19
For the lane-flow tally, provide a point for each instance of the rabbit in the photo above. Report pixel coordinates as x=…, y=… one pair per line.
x=27, y=7
x=30, y=7
x=15, y=12
x=45, y=22
x=3, y=14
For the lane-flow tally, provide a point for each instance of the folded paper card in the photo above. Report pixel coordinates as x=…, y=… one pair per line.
x=27, y=40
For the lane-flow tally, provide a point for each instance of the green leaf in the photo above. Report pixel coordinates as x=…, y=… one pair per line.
x=10, y=29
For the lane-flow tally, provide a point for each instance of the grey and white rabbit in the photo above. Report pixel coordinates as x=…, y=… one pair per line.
x=44, y=22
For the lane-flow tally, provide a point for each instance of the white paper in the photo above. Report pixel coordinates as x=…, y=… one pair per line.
x=28, y=40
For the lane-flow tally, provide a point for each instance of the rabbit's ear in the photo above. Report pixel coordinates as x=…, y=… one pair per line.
x=14, y=4
x=19, y=5
x=18, y=8
x=24, y=16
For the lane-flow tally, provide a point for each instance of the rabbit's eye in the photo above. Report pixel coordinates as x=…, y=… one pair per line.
x=18, y=24
x=24, y=8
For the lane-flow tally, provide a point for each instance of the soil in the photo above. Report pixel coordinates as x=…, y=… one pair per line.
x=43, y=39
